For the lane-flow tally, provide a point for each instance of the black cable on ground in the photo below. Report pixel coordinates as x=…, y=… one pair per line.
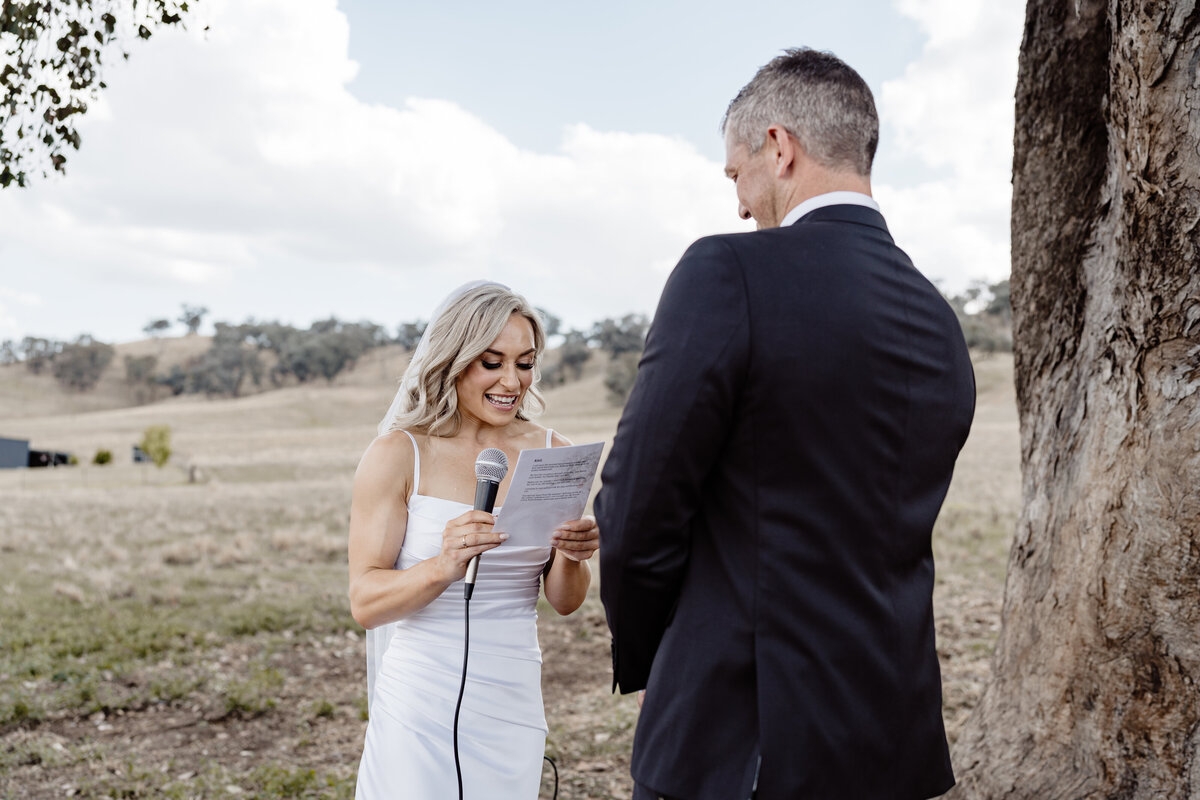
x=554, y=767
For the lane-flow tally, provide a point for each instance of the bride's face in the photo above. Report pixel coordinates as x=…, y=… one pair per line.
x=492, y=388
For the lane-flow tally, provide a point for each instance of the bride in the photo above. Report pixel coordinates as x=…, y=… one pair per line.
x=412, y=532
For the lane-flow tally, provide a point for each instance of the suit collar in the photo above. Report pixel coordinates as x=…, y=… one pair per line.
x=842, y=197
x=861, y=215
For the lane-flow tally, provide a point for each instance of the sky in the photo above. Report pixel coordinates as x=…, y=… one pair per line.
x=303, y=159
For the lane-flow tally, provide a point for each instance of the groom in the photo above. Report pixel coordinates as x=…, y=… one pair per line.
x=768, y=501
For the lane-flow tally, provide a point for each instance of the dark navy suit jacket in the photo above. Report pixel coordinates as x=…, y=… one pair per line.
x=766, y=515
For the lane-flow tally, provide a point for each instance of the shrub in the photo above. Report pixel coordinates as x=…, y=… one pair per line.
x=156, y=443
x=102, y=457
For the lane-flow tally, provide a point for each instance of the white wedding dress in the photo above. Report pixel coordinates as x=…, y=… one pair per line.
x=502, y=727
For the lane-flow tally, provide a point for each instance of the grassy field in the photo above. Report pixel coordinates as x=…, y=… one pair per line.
x=176, y=639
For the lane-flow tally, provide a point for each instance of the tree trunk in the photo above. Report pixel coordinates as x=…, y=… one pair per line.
x=1094, y=690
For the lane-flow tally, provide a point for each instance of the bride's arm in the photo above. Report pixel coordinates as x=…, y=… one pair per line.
x=379, y=592
x=567, y=580
x=569, y=576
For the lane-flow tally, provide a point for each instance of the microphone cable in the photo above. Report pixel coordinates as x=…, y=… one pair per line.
x=462, y=686
x=458, y=705
x=490, y=469
x=554, y=767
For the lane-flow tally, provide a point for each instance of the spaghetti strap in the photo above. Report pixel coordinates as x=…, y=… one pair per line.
x=549, y=437
x=416, y=485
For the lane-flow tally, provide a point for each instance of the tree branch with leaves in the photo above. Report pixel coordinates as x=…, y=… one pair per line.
x=54, y=58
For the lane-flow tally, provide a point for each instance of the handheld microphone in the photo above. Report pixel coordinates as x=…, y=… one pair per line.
x=490, y=468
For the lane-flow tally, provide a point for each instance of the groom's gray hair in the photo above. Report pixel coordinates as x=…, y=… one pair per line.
x=818, y=99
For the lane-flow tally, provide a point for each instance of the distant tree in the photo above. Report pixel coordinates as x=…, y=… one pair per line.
x=574, y=352
x=985, y=315
x=551, y=323
x=38, y=353
x=409, y=333
x=52, y=69
x=192, y=317
x=552, y=374
x=9, y=352
x=156, y=443
x=230, y=360
x=272, y=336
x=156, y=327
x=326, y=348
x=203, y=375
x=1000, y=303
x=176, y=379
x=624, y=335
x=277, y=338
x=80, y=364
x=227, y=334
x=623, y=339
x=296, y=359
x=367, y=333
x=139, y=376
x=140, y=369
x=619, y=378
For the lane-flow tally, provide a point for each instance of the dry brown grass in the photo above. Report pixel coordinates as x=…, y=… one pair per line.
x=161, y=638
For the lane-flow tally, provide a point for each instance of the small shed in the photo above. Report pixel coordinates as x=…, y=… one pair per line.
x=14, y=453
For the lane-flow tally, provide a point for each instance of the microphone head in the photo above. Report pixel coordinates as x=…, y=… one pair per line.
x=491, y=465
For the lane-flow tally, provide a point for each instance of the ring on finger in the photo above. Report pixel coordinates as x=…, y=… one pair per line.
x=464, y=542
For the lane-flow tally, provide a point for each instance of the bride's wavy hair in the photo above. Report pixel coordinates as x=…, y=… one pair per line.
x=454, y=340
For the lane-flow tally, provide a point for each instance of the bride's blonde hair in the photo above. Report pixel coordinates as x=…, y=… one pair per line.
x=454, y=340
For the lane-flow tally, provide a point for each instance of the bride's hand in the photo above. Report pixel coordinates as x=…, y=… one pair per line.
x=465, y=537
x=577, y=540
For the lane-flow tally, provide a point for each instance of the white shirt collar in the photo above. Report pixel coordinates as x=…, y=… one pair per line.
x=829, y=199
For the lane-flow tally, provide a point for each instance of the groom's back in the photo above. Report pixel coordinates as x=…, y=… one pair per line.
x=877, y=398
x=807, y=595
x=770, y=493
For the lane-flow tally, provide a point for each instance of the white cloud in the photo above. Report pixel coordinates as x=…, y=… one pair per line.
x=9, y=327
x=24, y=298
x=233, y=169
x=953, y=110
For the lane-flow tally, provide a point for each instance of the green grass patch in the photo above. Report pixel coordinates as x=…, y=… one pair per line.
x=133, y=781
x=60, y=655
x=273, y=782
x=323, y=709
x=254, y=695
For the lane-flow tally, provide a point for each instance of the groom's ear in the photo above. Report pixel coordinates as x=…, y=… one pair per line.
x=784, y=149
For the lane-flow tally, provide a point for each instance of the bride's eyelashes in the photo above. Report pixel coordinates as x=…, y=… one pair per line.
x=497, y=365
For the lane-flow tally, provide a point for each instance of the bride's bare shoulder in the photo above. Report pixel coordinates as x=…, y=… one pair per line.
x=389, y=458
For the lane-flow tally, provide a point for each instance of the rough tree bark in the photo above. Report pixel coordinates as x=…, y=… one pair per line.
x=1094, y=690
